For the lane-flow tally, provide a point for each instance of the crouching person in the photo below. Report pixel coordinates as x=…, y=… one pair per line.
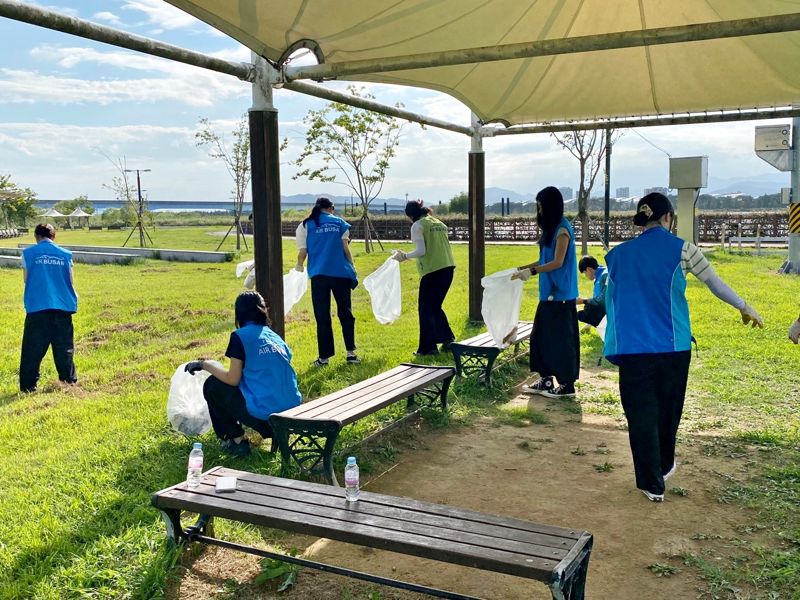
x=259, y=382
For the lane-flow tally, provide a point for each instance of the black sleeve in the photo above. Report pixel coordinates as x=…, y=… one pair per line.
x=235, y=348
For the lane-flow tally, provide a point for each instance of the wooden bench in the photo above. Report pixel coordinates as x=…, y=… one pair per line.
x=306, y=434
x=478, y=354
x=557, y=556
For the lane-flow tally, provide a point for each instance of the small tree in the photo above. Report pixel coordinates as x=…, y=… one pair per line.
x=459, y=204
x=16, y=203
x=351, y=146
x=236, y=159
x=589, y=148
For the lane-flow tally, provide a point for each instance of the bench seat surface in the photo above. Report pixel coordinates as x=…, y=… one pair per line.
x=434, y=531
x=485, y=340
x=368, y=396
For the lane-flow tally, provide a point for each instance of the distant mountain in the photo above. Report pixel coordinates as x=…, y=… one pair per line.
x=756, y=185
x=493, y=195
x=309, y=199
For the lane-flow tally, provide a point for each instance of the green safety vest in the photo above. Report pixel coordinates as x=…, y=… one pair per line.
x=437, y=247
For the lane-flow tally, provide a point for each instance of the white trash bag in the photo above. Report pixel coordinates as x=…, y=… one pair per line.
x=502, y=299
x=187, y=410
x=384, y=290
x=295, y=284
x=248, y=267
x=244, y=266
x=601, y=329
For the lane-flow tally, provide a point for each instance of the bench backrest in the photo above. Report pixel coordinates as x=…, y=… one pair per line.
x=370, y=395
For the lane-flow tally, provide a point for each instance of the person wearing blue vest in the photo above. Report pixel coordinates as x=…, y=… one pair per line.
x=50, y=302
x=325, y=240
x=594, y=308
x=648, y=335
x=555, y=341
x=260, y=380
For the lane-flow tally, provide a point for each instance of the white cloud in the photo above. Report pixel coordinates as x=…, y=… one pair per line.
x=108, y=17
x=163, y=15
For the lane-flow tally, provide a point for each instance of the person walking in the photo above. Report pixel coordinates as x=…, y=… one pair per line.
x=259, y=381
x=594, y=308
x=648, y=334
x=325, y=240
x=555, y=341
x=50, y=301
x=436, y=268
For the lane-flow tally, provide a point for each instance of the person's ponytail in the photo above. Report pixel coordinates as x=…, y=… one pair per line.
x=321, y=203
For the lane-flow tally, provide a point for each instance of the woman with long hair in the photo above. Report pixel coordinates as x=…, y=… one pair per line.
x=649, y=335
x=260, y=380
x=324, y=239
x=555, y=341
x=436, y=267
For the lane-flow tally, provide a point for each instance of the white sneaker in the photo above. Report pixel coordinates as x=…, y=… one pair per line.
x=653, y=497
x=545, y=384
x=671, y=472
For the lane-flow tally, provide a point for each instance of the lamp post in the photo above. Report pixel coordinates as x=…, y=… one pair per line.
x=140, y=211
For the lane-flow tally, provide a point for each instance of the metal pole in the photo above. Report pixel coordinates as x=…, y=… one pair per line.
x=607, y=198
x=265, y=186
x=552, y=47
x=794, y=205
x=477, y=222
x=141, y=209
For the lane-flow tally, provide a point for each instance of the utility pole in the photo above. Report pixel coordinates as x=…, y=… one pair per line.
x=139, y=210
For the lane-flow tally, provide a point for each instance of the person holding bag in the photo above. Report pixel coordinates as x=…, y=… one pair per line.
x=649, y=335
x=555, y=341
x=260, y=380
x=436, y=268
x=325, y=240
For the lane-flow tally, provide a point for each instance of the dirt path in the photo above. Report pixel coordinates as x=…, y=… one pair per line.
x=534, y=472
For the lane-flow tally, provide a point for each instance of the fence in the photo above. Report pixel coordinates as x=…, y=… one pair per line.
x=710, y=227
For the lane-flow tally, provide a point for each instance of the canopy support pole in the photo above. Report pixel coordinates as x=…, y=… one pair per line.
x=477, y=221
x=266, y=192
x=793, y=264
x=607, y=196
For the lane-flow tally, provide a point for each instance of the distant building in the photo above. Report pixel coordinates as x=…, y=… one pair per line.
x=623, y=192
x=657, y=189
x=566, y=192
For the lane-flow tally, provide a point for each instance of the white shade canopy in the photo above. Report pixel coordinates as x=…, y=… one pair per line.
x=718, y=74
x=78, y=212
x=52, y=212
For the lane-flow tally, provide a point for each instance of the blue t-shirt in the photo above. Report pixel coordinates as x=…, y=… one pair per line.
x=269, y=383
x=48, y=285
x=599, y=284
x=646, y=303
x=561, y=284
x=325, y=251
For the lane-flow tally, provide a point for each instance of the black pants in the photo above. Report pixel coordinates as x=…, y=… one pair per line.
x=43, y=329
x=321, y=288
x=228, y=411
x=591, y=315
x=555, y=341
x=652, y=388
x=434, y=327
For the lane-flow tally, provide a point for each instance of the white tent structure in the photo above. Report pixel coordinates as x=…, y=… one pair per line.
x=52, y=212
x=78, y=213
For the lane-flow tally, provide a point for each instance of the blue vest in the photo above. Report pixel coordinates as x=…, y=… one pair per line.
x=268, y=383
x=598, y=280
x=48, y=285
x=325, y=252
x=646, y=303
x=561, y=284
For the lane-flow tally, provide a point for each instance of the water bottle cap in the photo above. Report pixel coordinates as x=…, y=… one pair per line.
x=351, y=460
x=197, y=446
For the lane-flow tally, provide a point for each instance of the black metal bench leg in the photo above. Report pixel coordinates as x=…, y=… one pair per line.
x=472, y=359
x=443, y=395
x=571, y=584
x=307, y=444
x=172, y=519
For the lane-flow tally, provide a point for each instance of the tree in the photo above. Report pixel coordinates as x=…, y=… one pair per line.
x=459, y=204
x=351, y=146
x=236, y=158
x=16, y=203
x=589, y=148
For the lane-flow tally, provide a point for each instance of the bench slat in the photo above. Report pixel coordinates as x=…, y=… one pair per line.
x=271, y=494
x=484, y=340
x=348, y=524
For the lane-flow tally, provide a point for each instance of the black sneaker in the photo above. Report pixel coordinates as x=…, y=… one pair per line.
x=239, y=450
x=352, y=359
x=565, y=390
x=430, y=353
x=541, y=386
x=319, y=363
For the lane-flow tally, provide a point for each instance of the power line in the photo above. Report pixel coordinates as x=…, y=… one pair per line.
x=651, y=143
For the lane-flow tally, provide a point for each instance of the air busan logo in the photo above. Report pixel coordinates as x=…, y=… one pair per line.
x=268, y=347
x=327, y=228
x=47, y=259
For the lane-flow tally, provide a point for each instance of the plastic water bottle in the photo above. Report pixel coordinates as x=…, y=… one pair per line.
x=195, y=465
x=351, y=480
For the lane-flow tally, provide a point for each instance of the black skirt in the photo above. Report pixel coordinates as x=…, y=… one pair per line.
x=555, y=342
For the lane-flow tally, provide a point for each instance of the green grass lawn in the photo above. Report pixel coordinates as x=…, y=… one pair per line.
x=79, y=464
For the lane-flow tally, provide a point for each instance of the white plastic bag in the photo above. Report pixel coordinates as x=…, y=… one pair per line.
x=244, y=266
x=187, y=410
x=295, y=284
x=502, y=298
x=384, y=291
x=601, y=329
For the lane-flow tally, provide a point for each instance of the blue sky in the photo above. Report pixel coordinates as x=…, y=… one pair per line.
x=66, y=103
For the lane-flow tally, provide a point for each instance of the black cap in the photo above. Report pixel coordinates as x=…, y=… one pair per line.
x=651, y=208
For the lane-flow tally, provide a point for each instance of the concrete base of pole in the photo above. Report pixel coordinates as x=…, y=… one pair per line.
x=792, y=264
